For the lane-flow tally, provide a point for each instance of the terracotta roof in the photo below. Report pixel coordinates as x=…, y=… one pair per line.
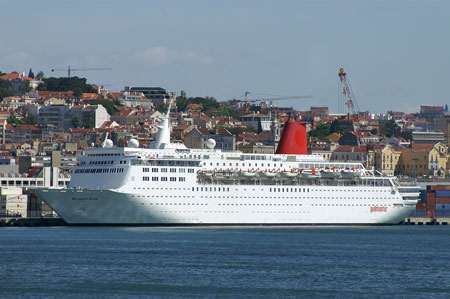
x=15, y=75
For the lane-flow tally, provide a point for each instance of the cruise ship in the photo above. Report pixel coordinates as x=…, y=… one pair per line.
x=169, y=184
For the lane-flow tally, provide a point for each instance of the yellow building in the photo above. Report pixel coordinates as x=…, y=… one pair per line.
x=384, y=159
x=424, y=160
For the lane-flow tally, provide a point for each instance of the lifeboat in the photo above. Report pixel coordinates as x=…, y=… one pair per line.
x=246, y=173
x=267, y=174
x=352, y=173
x=205, y=173
x=330, y=173
x=288, y=174
x=310, y=173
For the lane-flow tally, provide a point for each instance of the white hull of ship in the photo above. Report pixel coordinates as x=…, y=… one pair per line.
x=317, y=207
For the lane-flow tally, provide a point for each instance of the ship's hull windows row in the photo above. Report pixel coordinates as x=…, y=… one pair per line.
x=99, y=170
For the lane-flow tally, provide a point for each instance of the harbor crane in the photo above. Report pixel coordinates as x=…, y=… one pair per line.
x=350, y=100
x=275, y=99
x=70, y=70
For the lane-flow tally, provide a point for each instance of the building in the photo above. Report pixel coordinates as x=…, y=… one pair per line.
x=384, y=159
x=427, y=137
x=134, y=99
x=424, y=160
x=53, y=115
x=432, y=112
x=157, y=95
x=92, y=116
x=256, y=121
x=197, y=138
x=349, y=153
x=321, y=112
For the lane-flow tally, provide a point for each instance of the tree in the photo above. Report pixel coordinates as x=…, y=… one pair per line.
x=108, y=104
x=162, y=108
x=390, y=128
x=75, y=122
x=40, y=75
x=14, y=121
x=30, y=119
x=374, y=131
x=5, y=89
x=31, y=74
x=336, y=127
x=321, y=131
x=77, y=85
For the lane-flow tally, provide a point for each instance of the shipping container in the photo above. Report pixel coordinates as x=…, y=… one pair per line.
x=442, y=213
x=442, y=193
x=421, y=206
x=420, y=213
x=438, y=187
x=442, y=200
x=443, y=206
x=431, y=195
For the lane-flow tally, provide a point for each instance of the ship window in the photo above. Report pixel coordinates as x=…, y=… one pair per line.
x=154, y=179
x=181, y=179
x=173, y=170
x=163, y=179
x=173, y=179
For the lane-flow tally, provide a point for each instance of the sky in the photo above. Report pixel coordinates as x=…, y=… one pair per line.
x=396, y=53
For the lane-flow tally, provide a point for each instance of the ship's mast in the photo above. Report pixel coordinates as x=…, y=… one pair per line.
x=163, y=135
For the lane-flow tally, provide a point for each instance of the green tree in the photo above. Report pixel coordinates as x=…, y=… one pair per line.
x=162, y=108
x=30, y=119
x=390, y=128
x=321, y=131
x=14, y=121
x=75, y=122
x=374, y=131
x=31, y=74
x=336, y=127
x=5, y=89
x=77, y=85
x=108, y=104
x=40, y=75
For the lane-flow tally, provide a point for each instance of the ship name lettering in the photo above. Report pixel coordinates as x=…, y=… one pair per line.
x=84, y=198
x=378, y=209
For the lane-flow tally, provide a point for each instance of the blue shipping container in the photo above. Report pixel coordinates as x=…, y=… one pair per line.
x=442, y=193
x=443, y=206
x=420, y=213
x=442, y=213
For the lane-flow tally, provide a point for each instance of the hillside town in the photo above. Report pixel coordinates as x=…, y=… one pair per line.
x=46, y=123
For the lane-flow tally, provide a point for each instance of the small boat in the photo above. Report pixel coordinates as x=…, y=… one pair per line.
x=246, y=173
x=205, y=173
x=310, y=173
x=330, y=173
x=267, y=174
x=288, y=174
x=350, y=173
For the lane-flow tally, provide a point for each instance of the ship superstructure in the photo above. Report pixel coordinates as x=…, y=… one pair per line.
x=169, y=184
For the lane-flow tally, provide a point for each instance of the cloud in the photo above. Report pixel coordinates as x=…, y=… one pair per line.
x=164, y=56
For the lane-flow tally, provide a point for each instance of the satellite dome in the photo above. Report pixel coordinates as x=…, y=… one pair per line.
x=210, y=143
x=133, y=143
x=109, y=143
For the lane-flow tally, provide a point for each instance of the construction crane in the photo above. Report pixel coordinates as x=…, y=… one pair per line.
x=70, y=70
x=350, y=100
x=275, y=99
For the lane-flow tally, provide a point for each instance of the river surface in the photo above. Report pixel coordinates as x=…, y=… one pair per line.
x=241, y=262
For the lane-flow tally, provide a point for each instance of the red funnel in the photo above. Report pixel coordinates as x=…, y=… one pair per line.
x=293, y=139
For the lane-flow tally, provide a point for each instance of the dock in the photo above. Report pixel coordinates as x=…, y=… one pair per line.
x=427, y=221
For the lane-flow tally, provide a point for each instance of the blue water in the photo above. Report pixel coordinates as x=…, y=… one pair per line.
x=333, y=262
